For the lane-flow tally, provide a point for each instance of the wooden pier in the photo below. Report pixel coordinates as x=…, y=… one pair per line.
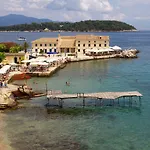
x=112, y=97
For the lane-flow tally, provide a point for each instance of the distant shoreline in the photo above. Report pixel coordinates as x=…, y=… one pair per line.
x=74, y=31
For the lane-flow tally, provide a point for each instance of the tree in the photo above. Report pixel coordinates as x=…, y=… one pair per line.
x=15, y=49
x=41, y=51
x=2, y=56
x=8, y=45
x=87, y=25
x=2, y=48
x=25, y=46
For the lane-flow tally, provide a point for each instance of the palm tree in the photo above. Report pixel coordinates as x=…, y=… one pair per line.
x=25, y=46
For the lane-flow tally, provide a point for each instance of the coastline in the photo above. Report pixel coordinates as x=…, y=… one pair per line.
x=9, y=98
x=37, y=31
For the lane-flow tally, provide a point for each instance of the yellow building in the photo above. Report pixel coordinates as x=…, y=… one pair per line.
x=70, y=44
x=13, y=58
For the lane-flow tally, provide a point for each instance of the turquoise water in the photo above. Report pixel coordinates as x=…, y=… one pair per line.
x=109, y=128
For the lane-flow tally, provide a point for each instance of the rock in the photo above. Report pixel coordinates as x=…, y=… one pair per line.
x=131, y=53
x=6, y=98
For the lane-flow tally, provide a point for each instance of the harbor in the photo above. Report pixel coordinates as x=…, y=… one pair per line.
x=34, y=126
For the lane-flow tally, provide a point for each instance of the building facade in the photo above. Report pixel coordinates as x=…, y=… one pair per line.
x=13, y=58
x=70, y=44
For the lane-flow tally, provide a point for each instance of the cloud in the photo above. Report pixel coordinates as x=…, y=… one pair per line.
x=130, y=3
x=119, y=16
x=132, y=11
x=81, y=5
x=142, y=18
x=13, y=6
x=37, y=4
x=76, y=16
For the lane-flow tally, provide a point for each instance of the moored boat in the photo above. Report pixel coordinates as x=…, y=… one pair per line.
x=21, y=39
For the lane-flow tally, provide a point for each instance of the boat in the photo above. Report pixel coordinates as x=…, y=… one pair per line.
x=21, y=39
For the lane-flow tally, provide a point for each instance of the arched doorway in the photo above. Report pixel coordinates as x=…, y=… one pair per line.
x=15, y=60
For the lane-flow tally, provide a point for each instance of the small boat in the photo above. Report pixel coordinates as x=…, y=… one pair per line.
x=21, y=39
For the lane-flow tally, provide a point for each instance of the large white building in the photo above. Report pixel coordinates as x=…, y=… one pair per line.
x=70, y=44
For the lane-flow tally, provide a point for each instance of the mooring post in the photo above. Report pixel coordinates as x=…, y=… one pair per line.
x=140, y=100
x=95, y=102
x=118, y=101
x=48, y=100
x=83, y=100
x=113, y=102
x=124, y=101
x=61, y=103
x=129, y=101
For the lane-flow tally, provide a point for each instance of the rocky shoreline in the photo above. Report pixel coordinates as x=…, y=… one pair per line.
x=128, y=54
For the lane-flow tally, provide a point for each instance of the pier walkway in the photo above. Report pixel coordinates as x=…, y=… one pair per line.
x=101, y=96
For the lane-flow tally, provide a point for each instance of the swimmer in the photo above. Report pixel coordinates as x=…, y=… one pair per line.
x=67, y=83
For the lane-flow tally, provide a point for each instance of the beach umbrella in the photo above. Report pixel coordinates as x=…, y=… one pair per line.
x=116, y=48
x=13, y=64
x=25, y=61
x=43, y=64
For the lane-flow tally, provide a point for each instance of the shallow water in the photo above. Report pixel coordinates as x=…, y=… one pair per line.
x=116, y=128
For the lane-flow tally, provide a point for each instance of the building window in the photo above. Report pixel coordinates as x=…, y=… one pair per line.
x=94, y=45
x=35, y=44
x=45, y=45
x=36, y=50
x=79, y=45
x=67, y=50
x=83, y=45
x=105, y=41
x=100, y=37
x=40, y=44
x=45, y=50
x=94, y=41
x=99, y=45
x=89, y=45
x=78, y=50
x=84, y=51
x=89, y=41
x=55, y=50
x=50, y=50
x=54, y=44
x=78, y=41
x=50, y=44
x=105, y=45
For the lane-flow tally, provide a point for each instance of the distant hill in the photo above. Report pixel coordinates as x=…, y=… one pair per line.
x=14, y=19
x=82, y=26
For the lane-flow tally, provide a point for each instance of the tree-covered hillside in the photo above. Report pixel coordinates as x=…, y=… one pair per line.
x=86, y=26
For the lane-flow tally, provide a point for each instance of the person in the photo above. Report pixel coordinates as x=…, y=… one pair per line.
x=67, y=83
x=1, y=84
x=5, y=84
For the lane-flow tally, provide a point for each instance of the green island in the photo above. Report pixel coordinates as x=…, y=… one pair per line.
x=82, y=26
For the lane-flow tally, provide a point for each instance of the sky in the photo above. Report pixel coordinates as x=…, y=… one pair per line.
x=134, y=12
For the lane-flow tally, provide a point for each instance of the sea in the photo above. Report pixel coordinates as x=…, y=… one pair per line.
x=36, y=127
